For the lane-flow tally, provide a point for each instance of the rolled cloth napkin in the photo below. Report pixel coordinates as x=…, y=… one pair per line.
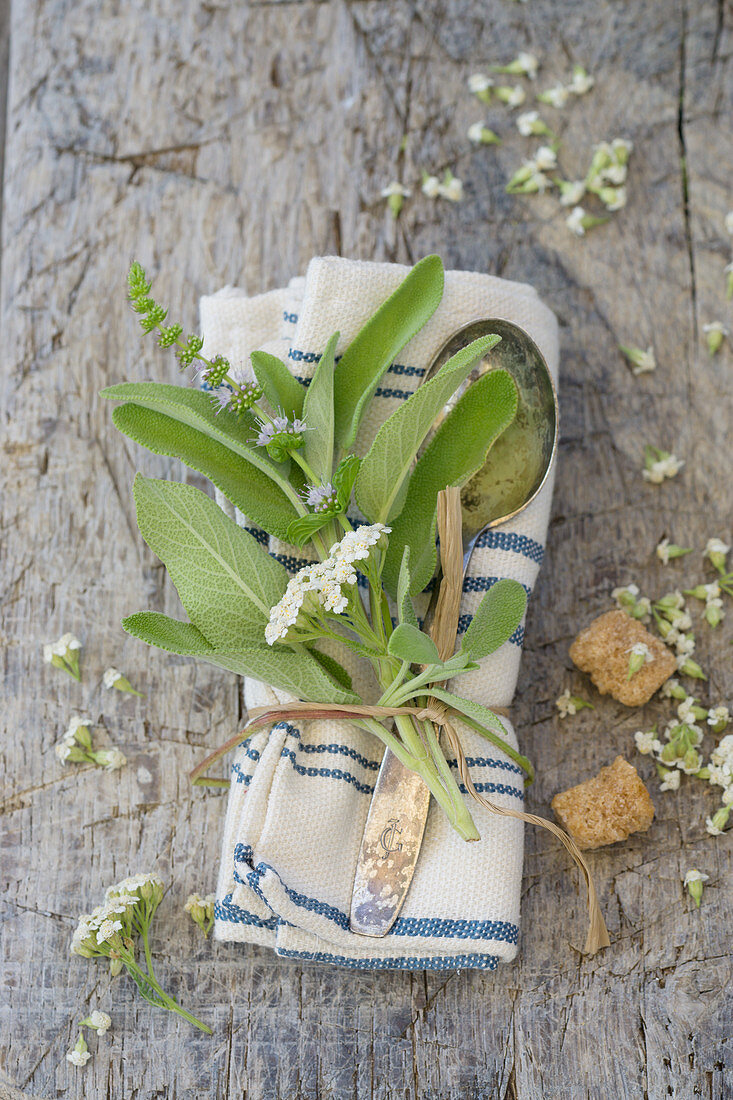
x=300, y=794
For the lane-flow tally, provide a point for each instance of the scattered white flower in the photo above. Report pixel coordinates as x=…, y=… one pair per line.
x=728, y=221
x=557, y=96
x=719, y=716
x=693, y=882
x=111, y=676
x=671, y=781
x=715, y=333
x=545, y=158
x=640, y=654
x=479, y=83
x=64, y=654
x=480, y=134
x=716, y=551
x=430, y=186
x=667, y=551
x=512, y=97
x=571, y=704
x=395, y=193
x=530, y=124
x=715, y=825
x=581, y=81
x=646, y=742
x=110, y=759
x=100, y=1021
x=672, y=689
x=79, y=1055
x=659, y=465
x=571, y=192
x=528, y=64
x=575, y=221
x=451, y=188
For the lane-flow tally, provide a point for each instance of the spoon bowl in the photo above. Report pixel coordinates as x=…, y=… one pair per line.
x=518, y=463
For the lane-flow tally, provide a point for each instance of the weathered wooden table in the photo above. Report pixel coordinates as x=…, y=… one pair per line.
x=228, y=142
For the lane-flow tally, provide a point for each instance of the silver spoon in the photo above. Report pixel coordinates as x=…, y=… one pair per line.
x=513, y=474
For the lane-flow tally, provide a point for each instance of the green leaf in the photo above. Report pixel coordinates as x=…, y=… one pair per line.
x=333, y=668
x=457, y=450
x=408, y=643
x=497, y=617
x=253, y=492
x=187, y=409
x=278, y=385
x=302, y=529
x=488, y=724
x=227, y=581
x=344, y=477
x=318, y=415
x=382, y=338
x=287, y=669
x=397, y=442
x=405, y=610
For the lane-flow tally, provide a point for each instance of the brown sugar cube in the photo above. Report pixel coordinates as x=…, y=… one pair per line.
x=607, y=808
x=602, y=649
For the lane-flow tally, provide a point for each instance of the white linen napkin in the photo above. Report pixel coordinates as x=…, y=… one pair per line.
x=300, y=795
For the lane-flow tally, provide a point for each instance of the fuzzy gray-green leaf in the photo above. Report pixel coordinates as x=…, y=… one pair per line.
x=277, y=383
x=318, y=415
x=227, y=582
x=497, y=617
x=397, y=442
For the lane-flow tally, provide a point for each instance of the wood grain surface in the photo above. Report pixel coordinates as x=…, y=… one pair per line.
x=227, y=142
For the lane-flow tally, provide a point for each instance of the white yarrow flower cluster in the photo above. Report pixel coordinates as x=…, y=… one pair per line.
x=325, y=580
x=110, y=677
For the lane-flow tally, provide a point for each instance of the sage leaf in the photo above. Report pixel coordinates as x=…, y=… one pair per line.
x=333, y=668
x=226, y=580
x=488, y=724
x=289, y=669
x=253, y=492
x=194, y=408
x=405, y=609
x=318, y=415
x=457, y=450
x=277, y=383
x=497, y=617
x=408, y=643
x=376, y=345
x=387, y=465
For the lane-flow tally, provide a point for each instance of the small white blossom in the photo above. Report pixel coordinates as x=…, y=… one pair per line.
x=645, y=741
x=694, y=876
x=100, y=1021
x=545, y=158
x=718, y=716
x=79, y=1055
x=395, y=193
x=451, y=188
x=564, y=704
x=660, y=465
x=111, y=676
x=671, y=781
x=716, y=551
x=575, y=220
x=530, y=123
x=512, y=97
x=571, y=192
x=715, y=333
x=430, y=186
x=728, y=221
x=581, y=82
x=110, y=759
x=528, y=64
x=479, y=82
x=480, y=134
x=107, y=930
x=557, y=96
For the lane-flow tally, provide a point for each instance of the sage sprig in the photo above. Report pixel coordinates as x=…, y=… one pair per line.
x=289, y=459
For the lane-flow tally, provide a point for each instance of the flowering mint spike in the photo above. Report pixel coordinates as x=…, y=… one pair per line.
x=190, y=351
x=280, y=436
x=239, y=401
x=113, y=678
x=169, y=335
x=213, y=374
x=322, y=498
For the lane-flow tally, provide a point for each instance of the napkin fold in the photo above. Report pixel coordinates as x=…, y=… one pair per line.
x=300, y=794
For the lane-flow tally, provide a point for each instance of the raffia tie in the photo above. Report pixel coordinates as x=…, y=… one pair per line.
x=443, y=631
